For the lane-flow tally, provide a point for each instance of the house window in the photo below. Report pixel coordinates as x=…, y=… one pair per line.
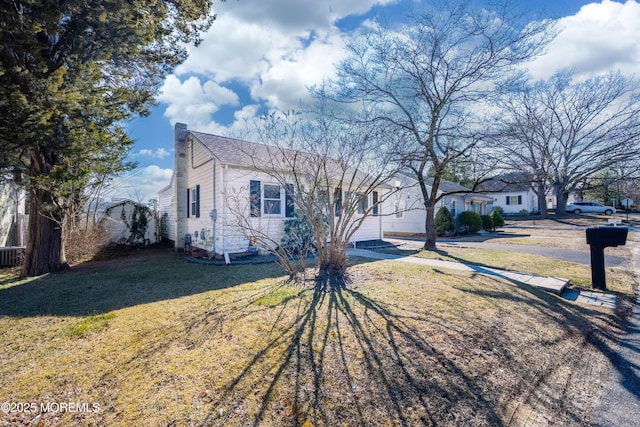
x=399, y=212
x=376, y=202
x=453, y=208
x=363, y=203
x=267, y=199
x=193, y=202
x=514, y=200
x=272, y=200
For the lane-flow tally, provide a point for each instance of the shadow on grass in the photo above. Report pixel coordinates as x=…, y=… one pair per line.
x=350, y=359
x=103, y=286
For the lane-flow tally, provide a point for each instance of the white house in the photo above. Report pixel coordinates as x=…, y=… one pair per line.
x=215, y=178
x=513, y=193
x=404, y=212
x=13, y=215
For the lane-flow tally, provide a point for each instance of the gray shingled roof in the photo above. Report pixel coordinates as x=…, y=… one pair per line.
x=234, y=152
x=507, y=183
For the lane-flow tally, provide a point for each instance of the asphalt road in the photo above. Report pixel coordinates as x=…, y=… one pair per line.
x=579, y=257
x=620, y=404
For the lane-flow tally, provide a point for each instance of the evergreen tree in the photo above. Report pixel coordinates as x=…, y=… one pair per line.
x=71, y=71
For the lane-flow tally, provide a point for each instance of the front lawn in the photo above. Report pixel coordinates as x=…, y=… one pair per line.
x=153, y=340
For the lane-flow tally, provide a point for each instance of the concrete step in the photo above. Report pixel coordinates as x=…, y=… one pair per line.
x=555, y=285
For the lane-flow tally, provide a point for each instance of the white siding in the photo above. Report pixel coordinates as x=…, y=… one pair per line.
x=200, y=173
x=235, y=191
x=529, y=201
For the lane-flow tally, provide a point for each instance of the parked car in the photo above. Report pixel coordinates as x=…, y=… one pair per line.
x=590, y=207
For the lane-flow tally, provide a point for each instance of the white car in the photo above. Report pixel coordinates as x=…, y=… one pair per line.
x=589, y=207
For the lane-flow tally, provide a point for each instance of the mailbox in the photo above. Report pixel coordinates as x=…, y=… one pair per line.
x=607, y=236
x=599, y=238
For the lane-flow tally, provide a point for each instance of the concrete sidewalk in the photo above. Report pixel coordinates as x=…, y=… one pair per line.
x=552, y=284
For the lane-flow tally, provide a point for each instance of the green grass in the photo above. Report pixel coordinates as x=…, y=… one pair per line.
x=157, y=341
x=88, y=325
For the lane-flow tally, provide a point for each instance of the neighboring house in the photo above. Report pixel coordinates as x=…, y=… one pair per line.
x=404, y=212
x=13, y=215
x=513, y=193
x=118, y=219
x=215, y=180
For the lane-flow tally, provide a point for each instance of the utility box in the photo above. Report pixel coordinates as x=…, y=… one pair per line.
x=599, y=238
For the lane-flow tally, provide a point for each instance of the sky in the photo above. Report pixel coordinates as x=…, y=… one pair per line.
x=261, y=55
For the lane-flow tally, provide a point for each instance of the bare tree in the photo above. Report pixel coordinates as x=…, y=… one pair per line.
x=430, y=82
x=566, y=130
x=334, y=172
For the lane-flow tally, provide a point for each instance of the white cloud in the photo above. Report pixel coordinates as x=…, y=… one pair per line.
x=192, y=101
x=140, y=184
x=159, y=153
x=275, y=49
x=599, y=38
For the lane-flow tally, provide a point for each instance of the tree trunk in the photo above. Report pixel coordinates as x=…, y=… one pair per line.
x=561, y=201
x=45, y=245
x=430, y=229
x=542, y=201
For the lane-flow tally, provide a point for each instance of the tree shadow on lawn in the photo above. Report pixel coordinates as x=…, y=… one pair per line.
x=570, y=317
x=98, y=287
x=607, y=339
x=350, y=359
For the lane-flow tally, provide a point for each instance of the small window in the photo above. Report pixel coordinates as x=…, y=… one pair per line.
x=272, y=199
x=193, y=202
x=399, y=211
x=363, y=203
x=375, y=201
x=514, y=200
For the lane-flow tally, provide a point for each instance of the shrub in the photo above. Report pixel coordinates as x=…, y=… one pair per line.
x=445, y=222
x=524, y=212
x=487, y=223
x=470, y=222
x=496, y=216
x=298, y=236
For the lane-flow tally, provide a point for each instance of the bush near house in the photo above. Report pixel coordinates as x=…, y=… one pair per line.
x=445, y=222
x=470, y=222
x=496, y=216
x=487, y=223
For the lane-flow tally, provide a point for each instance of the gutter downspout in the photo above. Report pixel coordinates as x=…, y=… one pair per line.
x=214, y=212
x=224, y=211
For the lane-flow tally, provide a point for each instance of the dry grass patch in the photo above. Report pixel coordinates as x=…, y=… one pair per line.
x=185, y=344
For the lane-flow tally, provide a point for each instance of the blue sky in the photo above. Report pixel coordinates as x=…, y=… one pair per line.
x=261, y=55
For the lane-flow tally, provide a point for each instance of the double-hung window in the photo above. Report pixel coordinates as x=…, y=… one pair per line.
x=272, y=200
x=514, y=200
x=193, y=202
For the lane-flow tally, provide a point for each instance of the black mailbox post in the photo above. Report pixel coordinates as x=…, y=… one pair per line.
x=599, y=238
